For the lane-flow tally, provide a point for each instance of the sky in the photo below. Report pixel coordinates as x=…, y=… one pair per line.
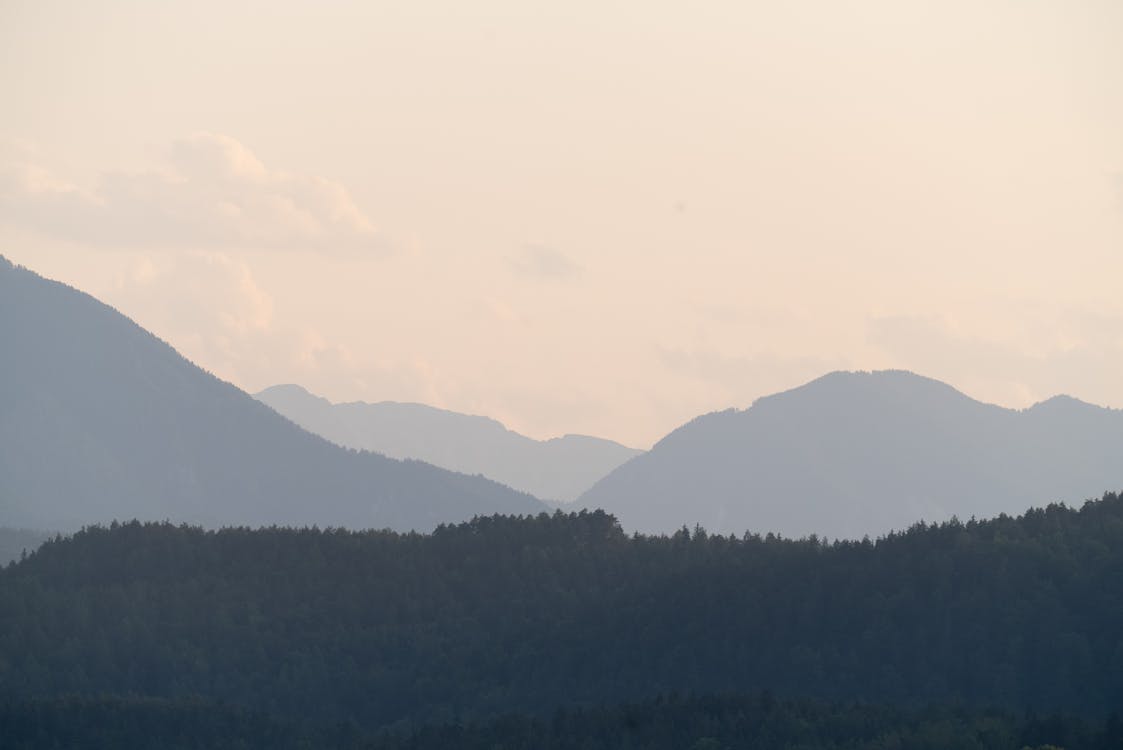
x=582, y=217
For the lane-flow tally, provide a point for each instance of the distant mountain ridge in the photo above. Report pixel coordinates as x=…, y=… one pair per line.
x=100, y=420
x=857, y=453
x=559, y=469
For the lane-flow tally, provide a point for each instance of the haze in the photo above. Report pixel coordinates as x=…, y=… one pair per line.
x=600, y=218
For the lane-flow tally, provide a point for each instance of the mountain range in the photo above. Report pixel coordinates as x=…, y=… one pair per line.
x=100, y=420
x=862, y=453
x=559, y=469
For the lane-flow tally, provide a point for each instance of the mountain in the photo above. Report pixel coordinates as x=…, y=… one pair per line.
x=100, y=420
x=559, y=469
x=856, y=453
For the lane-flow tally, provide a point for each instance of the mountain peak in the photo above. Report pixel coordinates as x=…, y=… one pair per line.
x=1065, y=404
x=885, y=381
x=854, y=453
x=289, y=393
x=288, y=388
x=559, y=469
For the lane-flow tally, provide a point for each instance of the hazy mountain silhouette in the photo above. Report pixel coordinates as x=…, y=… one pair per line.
x=559, y=469
x=857, y=453
x=101, y=420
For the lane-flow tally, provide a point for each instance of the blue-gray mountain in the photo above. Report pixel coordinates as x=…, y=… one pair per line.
x=559, y=469
x=101, y=420
x=854, y=453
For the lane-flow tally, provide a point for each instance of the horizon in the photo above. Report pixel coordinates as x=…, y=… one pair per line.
x=656, y=213
x=642, y=447
x=737, y=408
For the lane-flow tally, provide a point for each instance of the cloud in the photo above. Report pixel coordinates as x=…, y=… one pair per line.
x=213, y=193
x=209, y=304
x=212, y=308
x=1083, y=357
x=544, y=263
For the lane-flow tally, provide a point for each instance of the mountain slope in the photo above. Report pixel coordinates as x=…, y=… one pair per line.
x=101, y=420
x=862, y=453
x=558, y=469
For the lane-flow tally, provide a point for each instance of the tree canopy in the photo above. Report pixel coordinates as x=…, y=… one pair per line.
x=525, y=615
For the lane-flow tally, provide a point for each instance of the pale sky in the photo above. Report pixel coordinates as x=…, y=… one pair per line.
x=595, y=217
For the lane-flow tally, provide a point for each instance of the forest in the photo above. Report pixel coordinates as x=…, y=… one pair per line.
x=396, y=635
x=710, y=722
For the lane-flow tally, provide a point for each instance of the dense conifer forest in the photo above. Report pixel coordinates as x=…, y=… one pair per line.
x=505, y=615
x=714, y=722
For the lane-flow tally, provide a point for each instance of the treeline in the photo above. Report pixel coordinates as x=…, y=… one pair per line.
x=725, y=722
x=113, y=723
x=17, y=543
x=523, y=615
x=761, y=722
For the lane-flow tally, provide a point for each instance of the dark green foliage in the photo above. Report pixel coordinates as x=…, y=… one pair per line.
x=673, y=723
x=150, y=724
x=524, y=615
x=761, y=722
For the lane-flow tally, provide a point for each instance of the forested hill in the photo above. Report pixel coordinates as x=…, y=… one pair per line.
x=856, y=453
x=99, y=420
x=527, y=614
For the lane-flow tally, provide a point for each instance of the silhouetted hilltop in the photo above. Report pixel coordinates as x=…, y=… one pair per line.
x=14, y=543
x=101, y=420
x=855, y=453
x=558, y=469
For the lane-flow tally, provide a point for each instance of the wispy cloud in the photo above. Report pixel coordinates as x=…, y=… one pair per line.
x=542, y=262
x=216, y=312
x=1083, y=358
x=212, y=193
